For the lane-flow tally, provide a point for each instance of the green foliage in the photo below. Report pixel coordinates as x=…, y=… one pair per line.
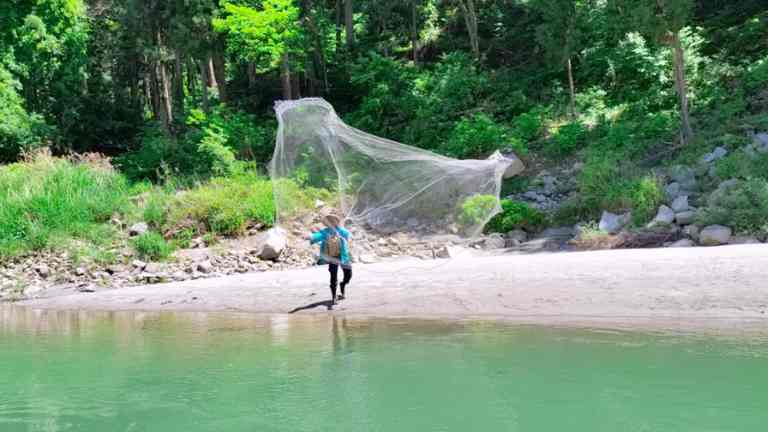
x=529, y=125
x=476, y=210
x=743, y=208
x=47, y=200
x=152, y=246
x=19, y=131
x=756, y=78
x=478, y=136
x=740, y=165
x=516, y=215
x=568, y=138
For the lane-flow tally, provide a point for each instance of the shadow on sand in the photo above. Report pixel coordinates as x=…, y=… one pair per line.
x=327, y=303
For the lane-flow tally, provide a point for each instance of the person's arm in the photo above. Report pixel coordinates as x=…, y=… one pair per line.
x=316, y=237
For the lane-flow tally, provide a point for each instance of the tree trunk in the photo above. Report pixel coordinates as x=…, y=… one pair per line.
x=204, y=80
x=470, y=18
x=211, y=75
x=350, y=24
x=219, y=68
x=165, y=96
x=178, y=84
x=414, y=31
x=338, y=24
x=251, y=76
x=191, y=77
x=572, y=88
x=296, y=86
x=682, y=88
x=286, y=77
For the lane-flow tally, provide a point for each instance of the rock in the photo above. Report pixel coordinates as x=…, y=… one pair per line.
x=692, y=231
x=494, y=241
x=718, y=153
x=673, y=191
x=682, y=243
x=204, y=267
x=739, y=240
x=319, y=204
x=516, y=237
x=715, y=235
x=273, y=246
x=43, y=270
x=560, y=233
x=682, y=174
x=665, y=216
x=368, y=258
x=613, y=223
x=115, y=269
x=153, y=268
x=412, y=223
x=680, y=204
x=448, y=252
x=80, y=271
x=138, y=229
x=760, y=142
x=139, y=265
x=685, y=218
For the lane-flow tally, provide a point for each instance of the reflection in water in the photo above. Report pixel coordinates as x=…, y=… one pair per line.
x=137, y=371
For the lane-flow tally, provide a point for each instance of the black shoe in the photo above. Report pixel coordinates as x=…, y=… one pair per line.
x=340, y=297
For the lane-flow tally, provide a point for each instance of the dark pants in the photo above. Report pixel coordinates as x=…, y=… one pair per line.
x=333, y=269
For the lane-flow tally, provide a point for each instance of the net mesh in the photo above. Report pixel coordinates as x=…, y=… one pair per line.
x=381, y=185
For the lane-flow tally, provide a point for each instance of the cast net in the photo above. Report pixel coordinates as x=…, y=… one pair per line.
x=379, y=184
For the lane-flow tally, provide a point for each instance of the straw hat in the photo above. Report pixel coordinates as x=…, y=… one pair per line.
x=332, y=219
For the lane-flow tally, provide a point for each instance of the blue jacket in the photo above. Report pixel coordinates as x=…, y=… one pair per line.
x=322, y=235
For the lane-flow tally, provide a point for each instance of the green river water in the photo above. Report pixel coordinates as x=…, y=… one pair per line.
x=70, y=371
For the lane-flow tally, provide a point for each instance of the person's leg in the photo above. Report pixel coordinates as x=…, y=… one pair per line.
x=334, y=270
x=347, y=277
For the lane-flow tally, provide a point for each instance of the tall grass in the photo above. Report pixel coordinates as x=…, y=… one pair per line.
x=47, y=201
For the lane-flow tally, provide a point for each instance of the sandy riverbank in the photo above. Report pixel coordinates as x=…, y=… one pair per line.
x=655, y=286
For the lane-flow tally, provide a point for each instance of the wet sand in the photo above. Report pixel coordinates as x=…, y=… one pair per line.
x=660, y=288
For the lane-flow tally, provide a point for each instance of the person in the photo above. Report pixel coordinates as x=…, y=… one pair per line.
x=334, y=251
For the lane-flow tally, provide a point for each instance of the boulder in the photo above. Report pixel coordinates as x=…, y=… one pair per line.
x=204, y=267
x=715, y=235
x=680, y=204
x=665, y=216
x=138, y=265
x=692, y=231
x=494, y=241
x=138, y=229
x=760, y=142
x=448, y=252
x=43, y=271
x=682, y=243
x=737, y=240
x=685, y=218
x=273, y=246
x=673, y=191
x=516, y=237
x=613, y=223
x=717, y=153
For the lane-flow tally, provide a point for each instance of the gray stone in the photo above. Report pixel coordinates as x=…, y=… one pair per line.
x=613, y=223
x=412, y=223
x=138, y=229
x=561, y=233
x=738, y=240
x=682, y=243
x=715, y=235
x=680, y=204
x=115, y=269
x=665, y=216
x=494, y=241
x=692, y=231
x=80, y=271
x=682, y=174
x=139, y=265
x=43, y=270
x=516, y=237
x=153, y=268
x=448, y=252
x=204, y=267
x=685, y=218
x=717, y=153
x=761, y=142
x=273, y=246
x=673, y=191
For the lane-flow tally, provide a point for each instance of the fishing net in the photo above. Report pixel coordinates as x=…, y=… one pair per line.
x=379, y=184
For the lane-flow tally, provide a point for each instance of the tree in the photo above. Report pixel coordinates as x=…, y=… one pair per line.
x=560, y=34
x=662, y=20
x=267, y=36
x=349, y=20
x=470, y=18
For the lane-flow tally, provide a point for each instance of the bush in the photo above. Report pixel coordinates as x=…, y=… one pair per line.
x=567, y=139
x=478, y=136
x=476, y=210
x=46, y=201
x=740, y=165
x=516, y=215
x=529, y=126
x=152, y=246
x=743, y=208
x=20, y=131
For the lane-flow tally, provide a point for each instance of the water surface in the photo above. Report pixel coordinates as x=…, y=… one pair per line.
x=70, y=371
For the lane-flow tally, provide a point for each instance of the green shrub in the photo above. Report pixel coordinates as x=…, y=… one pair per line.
x=743, y=208
x=20, y=131
x=568, y=138
x=516, y=215
x=47, y=201
x=756, y=78
x=476, y=210
x=152, y=246
x=478, y=136
x=529, y=126
x=740, y=165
